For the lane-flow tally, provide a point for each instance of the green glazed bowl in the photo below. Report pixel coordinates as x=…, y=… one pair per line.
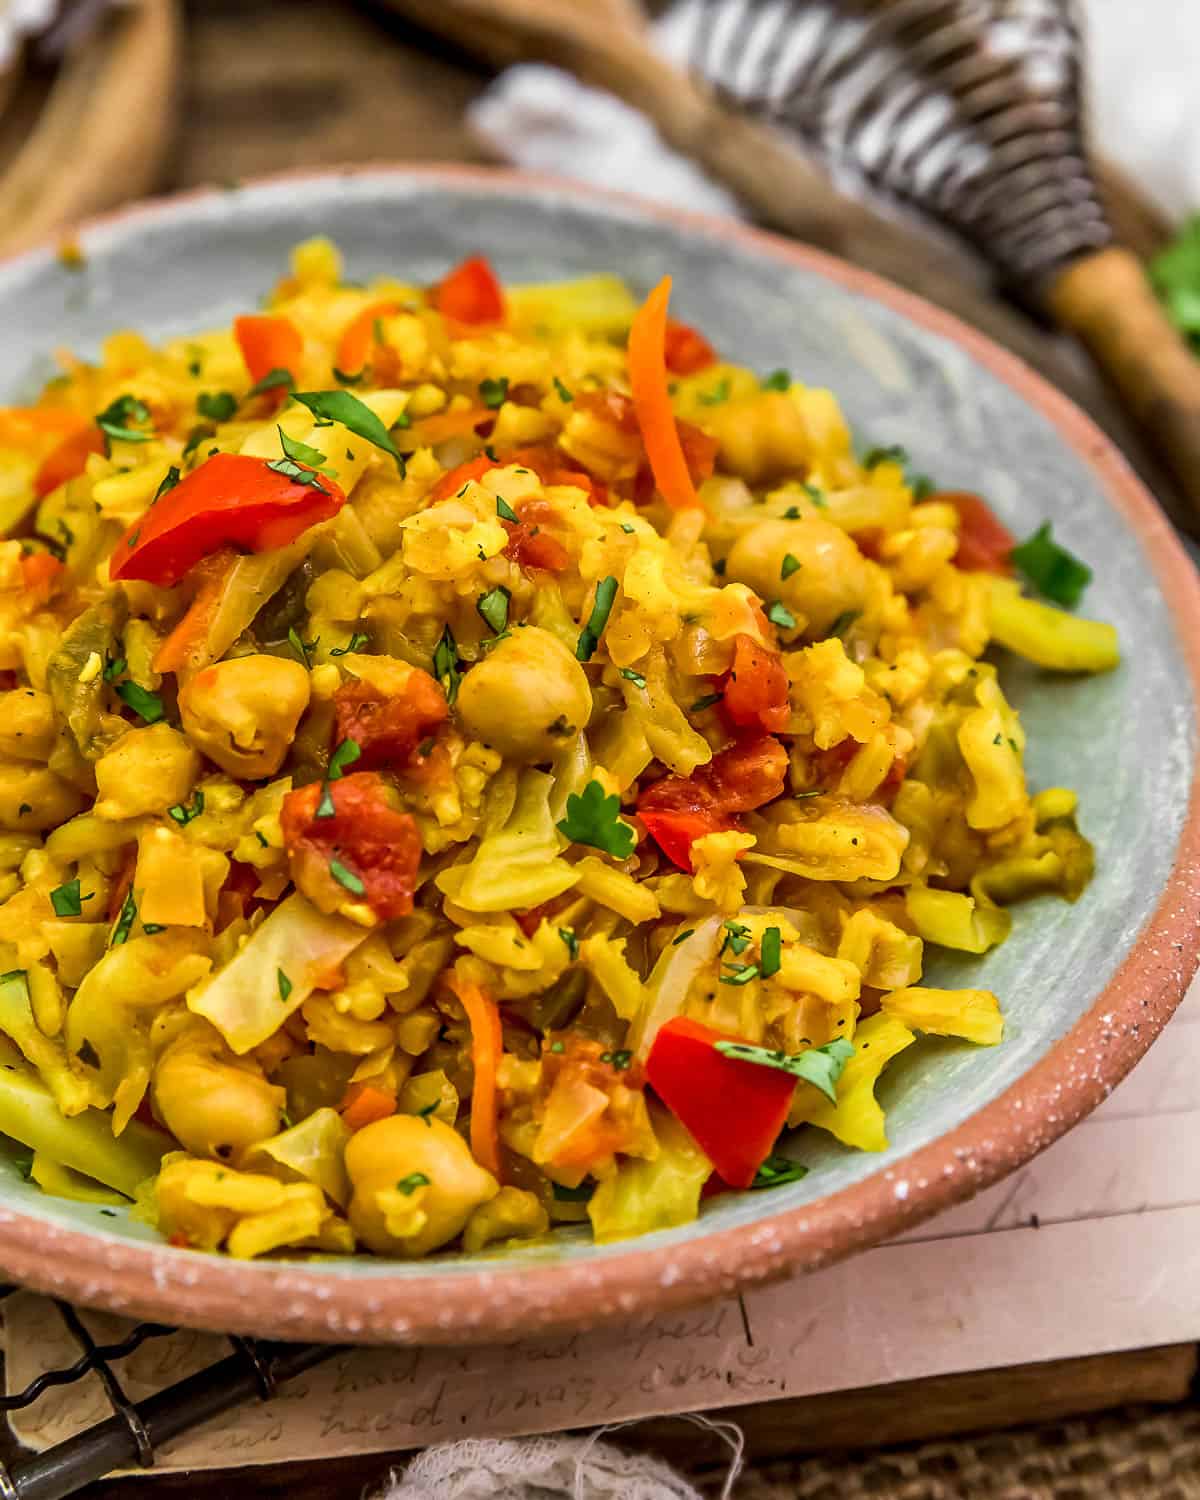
x=1085, y=988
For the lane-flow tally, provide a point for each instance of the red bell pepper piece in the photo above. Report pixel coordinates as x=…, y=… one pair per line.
x=755, y=689
x=230, y=500
x=675, y=831
x=687, y=350
x=268, y=343
x=984, y=544
x=66, y=460
x=733, y=1109
x=471, y=293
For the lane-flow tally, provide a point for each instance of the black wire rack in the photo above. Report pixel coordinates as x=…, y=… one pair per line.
x=131, y=1436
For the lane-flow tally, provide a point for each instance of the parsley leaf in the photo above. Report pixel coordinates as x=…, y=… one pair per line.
x=494, y=393
x=737, y=937
x=493, y=608
x=704, y=702
x=217, y=406
x=779, y=614
x=790, y=565
x=66, y=900
x=147, y=706
x=589, y=636
x=408, y=1185
x=184, y=815
x=325, y=807
x=272, y=381
x=356, y=642
x=284, y=983
x=563, y=393
x=571, y=941
x=302, y=453
x=344, y=755
x=346, y=877
x=290, y=469
x=892, y=454
x=170, y=480
x=195, y=437
x=635, y=677
x=124, y=922
x=341, y=406
x=504, y=510
x=820, y=1066
x=777, y=1170
x=815, y=495
x=1175, y=275
x=445, y=665
x=770, y=952
x=777, y=380
x=114, y=669
x=682, y=937
x=844, y=621
x=1053, y=571
x=301, y=647
x=594, y=818
x=714, y=397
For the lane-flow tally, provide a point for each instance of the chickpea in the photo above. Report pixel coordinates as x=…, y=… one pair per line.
x=395, y=1213
x=243, y=713
x=527, y=697
x=513, y=1214
x=213, y=1103
x=27, y=728
x=145, y=771
x=832, y=576
x=33, y=798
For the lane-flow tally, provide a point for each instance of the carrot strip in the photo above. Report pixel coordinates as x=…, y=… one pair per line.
x=194, y=627
x=354, y=345
x=364, y=1104
x=652, y=400
x=487, y=1043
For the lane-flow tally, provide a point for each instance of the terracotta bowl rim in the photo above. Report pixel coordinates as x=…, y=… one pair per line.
x=495, y=1301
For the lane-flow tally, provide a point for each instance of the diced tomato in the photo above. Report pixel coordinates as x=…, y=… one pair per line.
x=41, y=575
x=687, y=351
x=755, y=689
x=388, y=729
x=67, y=459
x=589, y=1106
x=610, y=406
x=268, y=343
x=470, y=294
x=233, y=500
x=354, y=345
x=984, y=544
x=680, y=809
x=733, y=1109
x=369, y=841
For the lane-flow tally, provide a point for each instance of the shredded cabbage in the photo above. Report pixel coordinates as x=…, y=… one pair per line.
x=642, y=1196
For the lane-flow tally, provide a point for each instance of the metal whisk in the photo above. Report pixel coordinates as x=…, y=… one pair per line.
x=969, y=112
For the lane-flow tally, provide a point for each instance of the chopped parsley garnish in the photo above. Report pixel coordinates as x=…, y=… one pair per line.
x=635, y=677
x=741, y=974
x=356, y=642
x=589, y=636
x=301, y=647
x=403, y=422
x=341, y=406
x=346, y=877
x=817, y=791
x=114, y=419
x=706, y=701
x=195, y=437
x=1053, y=571
x=922, y=487
x=504, y=510
x=892, y=454
x=273, y=380
x=493, y=608
x=719, y=393
x=23, y=1161
x=147, y=706
x=777, y=1170
x=494, y=393
x=627, y=528
x=777, y=380
x=325, y=807
x=820, y=1066
x=445, y=665
x=217, y=406
x=594, y=818
x=790, y=565
x=563, y=393
x=66, y=900
x=114, y=669
x=290, y=469
x=124, y=922
x=170, y=480
x=284, y=983
x=408, y=1185
x=571, y=941
x=815, y=495
x=303, y=453
x=793, y=513
x=426, y=1112
x=770, y=952
x=683, y=937
x=844, y=621
x=344, y=755
x=779, y=614
x=737, y=937
x=184, y=815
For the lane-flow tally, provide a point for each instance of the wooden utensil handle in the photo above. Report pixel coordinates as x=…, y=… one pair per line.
x=1106, y=299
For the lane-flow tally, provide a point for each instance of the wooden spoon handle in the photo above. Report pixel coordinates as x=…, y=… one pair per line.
x=1106, y=299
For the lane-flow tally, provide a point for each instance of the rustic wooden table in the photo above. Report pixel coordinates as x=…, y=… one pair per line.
x=270, y=85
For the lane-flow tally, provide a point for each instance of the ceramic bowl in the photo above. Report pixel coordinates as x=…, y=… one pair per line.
x=1085, y=988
